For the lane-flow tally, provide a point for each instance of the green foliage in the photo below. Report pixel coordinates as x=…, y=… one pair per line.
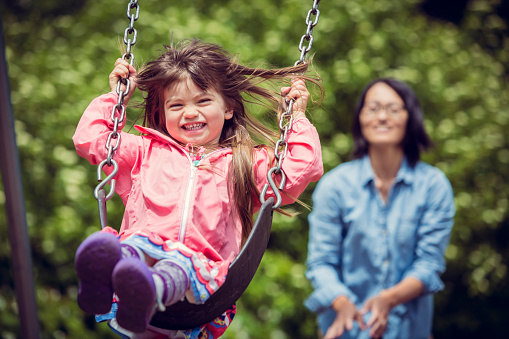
x=59, y=57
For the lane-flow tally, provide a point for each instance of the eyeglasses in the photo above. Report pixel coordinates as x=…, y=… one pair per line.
x=372, y=109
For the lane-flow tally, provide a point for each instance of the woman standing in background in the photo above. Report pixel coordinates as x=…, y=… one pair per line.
x=380, y=225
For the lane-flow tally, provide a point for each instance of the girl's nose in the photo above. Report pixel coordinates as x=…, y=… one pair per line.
x=190, y=112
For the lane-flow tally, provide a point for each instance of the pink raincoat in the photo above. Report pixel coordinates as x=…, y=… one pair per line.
x=179, y=198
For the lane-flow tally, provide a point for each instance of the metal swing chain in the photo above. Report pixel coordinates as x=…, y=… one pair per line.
x=286, y=119
x=117, y=117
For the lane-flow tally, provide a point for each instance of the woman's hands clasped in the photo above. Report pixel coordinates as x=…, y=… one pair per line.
x=380, y=307
x=347, y=314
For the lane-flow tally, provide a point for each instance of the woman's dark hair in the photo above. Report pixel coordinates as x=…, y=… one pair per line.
x=416, y=139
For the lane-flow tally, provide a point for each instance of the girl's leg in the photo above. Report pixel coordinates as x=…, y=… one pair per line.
x=96, y=258
x=172, y=282
x=140, y=289
x=130, y=251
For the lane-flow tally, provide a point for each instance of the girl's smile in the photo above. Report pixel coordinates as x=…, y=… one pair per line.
x=194, y=115
x=193, y=126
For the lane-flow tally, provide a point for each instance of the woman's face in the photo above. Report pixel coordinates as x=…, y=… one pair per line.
x=383, y=117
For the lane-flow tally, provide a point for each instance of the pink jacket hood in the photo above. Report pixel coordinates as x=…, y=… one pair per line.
x=166, y=192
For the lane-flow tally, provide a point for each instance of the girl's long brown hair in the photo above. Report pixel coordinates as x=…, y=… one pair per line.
x=210, y=66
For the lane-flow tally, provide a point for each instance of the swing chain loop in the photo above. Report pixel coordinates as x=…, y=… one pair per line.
x=117, y=117
x=281, y=148
x=309, y=32
x=274, y=187
x=286, y=119
x=131, y=41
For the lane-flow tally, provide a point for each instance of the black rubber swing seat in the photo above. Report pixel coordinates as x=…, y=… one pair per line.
x=184, y=315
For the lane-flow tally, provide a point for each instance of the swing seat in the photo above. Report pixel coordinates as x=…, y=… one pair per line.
x=184, y=315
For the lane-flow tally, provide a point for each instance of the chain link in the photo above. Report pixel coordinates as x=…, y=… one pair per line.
x=117, y=116
x=309, y=32
x=286, y=119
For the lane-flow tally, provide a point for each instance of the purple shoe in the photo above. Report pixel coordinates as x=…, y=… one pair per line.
x=96, y=258
x=136, y=291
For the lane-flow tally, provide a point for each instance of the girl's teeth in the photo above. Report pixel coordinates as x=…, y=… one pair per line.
x=193, y=127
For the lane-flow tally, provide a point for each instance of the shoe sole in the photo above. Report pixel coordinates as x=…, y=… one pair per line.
x=95, y=260
x=136, y=292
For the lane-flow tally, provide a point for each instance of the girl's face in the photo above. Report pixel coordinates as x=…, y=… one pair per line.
x=193, y=115
x=383, y=117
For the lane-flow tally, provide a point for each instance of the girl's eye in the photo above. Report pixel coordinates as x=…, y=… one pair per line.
x=203, y=101
x=175, y=106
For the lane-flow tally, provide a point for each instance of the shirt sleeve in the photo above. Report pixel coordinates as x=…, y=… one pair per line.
x=301, y=165
x=433, y=235
x=325, y=248
x=92, y=134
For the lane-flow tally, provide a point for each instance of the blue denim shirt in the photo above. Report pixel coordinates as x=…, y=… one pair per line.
x=359, y=245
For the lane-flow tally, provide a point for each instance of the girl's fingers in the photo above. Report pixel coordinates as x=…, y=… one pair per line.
x=296, y=93
x=122, y=71
x=299, y=84
x=121, y=61
x=119, y=72
x=285, y=90
x=299, y=93
x=123, y=68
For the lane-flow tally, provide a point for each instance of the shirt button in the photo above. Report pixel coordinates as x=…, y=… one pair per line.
x=384, y=232
x=386, y=262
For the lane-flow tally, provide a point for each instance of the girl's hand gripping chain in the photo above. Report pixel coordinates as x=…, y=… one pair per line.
x=126, y=71
x=300, y=94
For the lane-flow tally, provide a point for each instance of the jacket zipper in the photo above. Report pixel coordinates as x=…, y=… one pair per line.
x=187, y=198
x=187, y=201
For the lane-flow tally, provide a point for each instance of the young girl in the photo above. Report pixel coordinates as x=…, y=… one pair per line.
x=190, y=183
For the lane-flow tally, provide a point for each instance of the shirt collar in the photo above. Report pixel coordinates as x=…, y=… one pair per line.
x=405, y=173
